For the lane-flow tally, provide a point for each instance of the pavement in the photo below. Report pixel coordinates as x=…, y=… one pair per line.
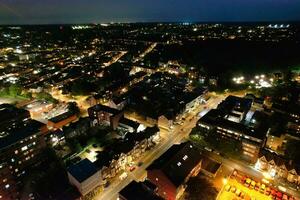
x=177, y=135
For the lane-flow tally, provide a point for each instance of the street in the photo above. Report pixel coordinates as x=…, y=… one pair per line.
x=176, y=136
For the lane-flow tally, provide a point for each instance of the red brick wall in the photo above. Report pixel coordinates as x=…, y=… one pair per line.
x=165, y=188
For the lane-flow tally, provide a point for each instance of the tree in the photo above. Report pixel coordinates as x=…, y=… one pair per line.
x=14, y=90
x=292, y=150
x=72, y=106
x=46, y=96
x=199, y=188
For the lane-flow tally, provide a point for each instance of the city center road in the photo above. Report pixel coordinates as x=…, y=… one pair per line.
x=176, y=136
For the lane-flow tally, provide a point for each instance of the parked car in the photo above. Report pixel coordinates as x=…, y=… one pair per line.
x=262, y=188
x=247, y=182
x=227, y=188
x=132, y=168
x=238, y=192
x=233, y=189
x=252, y=185
x=257, y=186
x=267, y=191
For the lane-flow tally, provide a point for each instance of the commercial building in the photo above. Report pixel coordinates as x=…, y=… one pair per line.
x=172, y=170
x=84, y=176
x=229, y=121
x=62, y=120
x=21, y=141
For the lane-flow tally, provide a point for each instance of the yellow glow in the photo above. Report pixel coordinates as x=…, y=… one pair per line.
x=267, y=175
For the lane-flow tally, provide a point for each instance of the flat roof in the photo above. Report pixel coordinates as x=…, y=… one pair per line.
x=19, y=131
x=61, y=117
x=9, y=112
x=82, y=170
x=215, y=118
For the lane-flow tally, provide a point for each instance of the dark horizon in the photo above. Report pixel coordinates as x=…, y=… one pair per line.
x=101, y=11
x=159, y=22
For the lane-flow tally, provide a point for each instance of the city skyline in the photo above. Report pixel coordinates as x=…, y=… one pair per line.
x=62, y=12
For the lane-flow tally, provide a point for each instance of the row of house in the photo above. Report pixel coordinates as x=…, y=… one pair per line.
x=113, y=160
x=156, y=100
x=278, y=167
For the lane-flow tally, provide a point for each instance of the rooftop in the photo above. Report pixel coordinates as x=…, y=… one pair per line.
x=138, y=191
x=9, y=112
x=82, y=170
x=122, y=146
x=178, y=162
x=18, y=131
x=61, y=117
x=215, y=117
x=162, y=94
x=99, y=107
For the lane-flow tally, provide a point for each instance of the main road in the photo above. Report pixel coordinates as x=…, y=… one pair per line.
x=177, y=135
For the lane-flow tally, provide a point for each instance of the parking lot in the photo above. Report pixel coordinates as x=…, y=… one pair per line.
x=239, y=186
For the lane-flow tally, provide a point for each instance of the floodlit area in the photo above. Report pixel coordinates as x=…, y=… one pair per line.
x=90, y=153
x=234, y=190
x=258, y=81
x=240, y=186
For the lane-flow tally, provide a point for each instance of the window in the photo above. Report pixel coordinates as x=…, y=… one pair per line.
x=179, y=164
x=185, y=157
x=7, y=186
x=16, y=151
x=24, y=148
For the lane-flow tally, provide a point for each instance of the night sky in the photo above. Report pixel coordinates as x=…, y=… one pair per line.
x=97, y=11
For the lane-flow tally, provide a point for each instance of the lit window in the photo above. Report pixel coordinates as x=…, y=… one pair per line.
x=179, y=164
x=16, y=151
x=4, y=180
x=185, y=157
x=12, y=160
x=24, y=148
x=7, y=186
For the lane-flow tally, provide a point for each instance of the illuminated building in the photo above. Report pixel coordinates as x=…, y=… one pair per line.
x=20, y=145
x=171, y=171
